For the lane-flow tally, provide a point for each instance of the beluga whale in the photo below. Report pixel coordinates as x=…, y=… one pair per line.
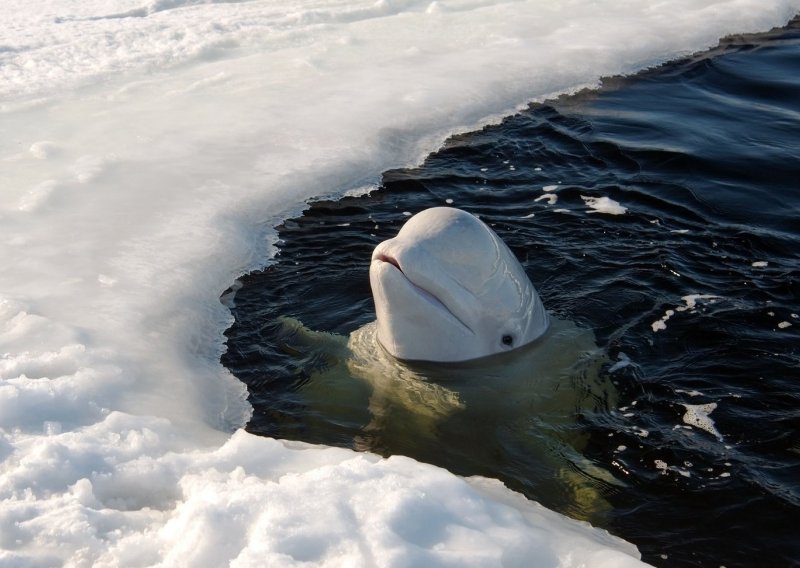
x=448, y=289
x=462, y=367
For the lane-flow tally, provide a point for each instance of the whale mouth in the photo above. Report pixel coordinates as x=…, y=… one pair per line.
x=389, y=260
x=426, y=295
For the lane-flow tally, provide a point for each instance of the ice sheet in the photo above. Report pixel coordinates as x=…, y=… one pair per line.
x=147, y=148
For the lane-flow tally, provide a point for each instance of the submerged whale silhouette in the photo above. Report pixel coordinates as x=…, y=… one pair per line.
x=447, y=288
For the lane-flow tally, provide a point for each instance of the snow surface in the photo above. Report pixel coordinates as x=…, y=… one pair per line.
x=147, y=150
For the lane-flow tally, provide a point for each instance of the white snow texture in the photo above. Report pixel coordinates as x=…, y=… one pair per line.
x=147, y=150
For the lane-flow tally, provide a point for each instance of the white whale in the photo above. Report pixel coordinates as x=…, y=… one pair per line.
x=448, y=289
x=462, y=351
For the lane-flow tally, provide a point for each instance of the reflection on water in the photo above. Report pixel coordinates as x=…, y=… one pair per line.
x=692, y=295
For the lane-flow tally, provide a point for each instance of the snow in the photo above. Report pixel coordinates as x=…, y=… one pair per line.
x=147, y=150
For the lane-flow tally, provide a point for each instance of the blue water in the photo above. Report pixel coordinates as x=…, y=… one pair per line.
x=705, y=155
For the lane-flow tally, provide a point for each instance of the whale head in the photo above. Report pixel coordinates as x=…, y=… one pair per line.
x=448, y=289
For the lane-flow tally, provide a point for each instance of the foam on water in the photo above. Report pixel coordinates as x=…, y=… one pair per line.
x=698, y=415
x=690, y=305
x=147, y=152
x=604, y=205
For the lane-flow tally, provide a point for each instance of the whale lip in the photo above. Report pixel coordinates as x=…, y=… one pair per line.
x=385, y=259
x=389, y=260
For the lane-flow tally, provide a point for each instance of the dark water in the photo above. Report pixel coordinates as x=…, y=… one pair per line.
x=705, y=156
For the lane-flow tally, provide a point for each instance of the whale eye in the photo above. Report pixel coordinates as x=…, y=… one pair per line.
x=508, y=340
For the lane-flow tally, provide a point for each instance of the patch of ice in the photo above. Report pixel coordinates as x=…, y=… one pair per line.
x=662, y=323
x=698, y=416
x=360, y=190
x=551, y=198
x=692, y=299
x=604, y=205
x=690, y=304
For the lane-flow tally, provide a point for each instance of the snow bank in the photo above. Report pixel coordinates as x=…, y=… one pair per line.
x=260, y=502
x=147, y=148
